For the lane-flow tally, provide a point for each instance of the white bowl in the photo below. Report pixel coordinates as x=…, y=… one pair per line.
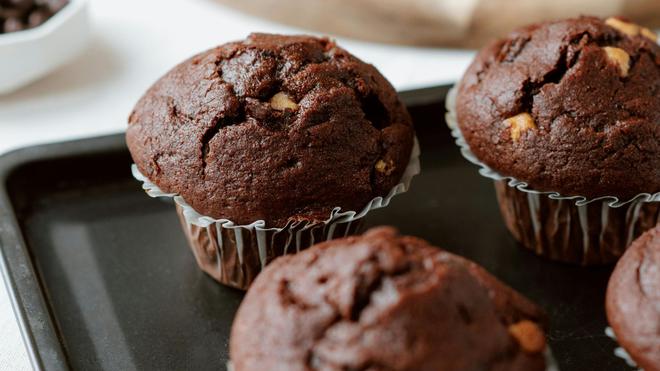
x=28, y=55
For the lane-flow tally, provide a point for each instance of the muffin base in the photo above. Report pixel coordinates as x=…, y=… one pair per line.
x=594, y=233
x=235, y=257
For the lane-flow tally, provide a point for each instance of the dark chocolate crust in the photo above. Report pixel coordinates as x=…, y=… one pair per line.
x=633, y=300
x=212, y=129
x=597, y=129
x=383, y=302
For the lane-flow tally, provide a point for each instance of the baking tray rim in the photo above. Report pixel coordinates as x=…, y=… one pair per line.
x=26, y=294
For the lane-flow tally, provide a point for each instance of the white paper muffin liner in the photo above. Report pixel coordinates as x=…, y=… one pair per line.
x=576, y=237
x=220, y=234
x=551, y=362
x=619, y=351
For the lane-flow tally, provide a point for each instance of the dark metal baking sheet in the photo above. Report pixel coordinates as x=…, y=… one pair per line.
x=101, y=277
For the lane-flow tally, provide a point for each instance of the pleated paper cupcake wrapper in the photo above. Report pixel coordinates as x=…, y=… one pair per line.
x=572, y=229
x=551, y=363
x=619, y=351
x=234, y=254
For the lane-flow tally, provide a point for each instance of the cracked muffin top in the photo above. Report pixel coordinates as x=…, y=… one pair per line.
x=274, y=128
x=633, y=300
x=383, y=302
x=571, y=106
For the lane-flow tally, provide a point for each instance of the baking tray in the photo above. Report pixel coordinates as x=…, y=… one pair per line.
x=101, y=278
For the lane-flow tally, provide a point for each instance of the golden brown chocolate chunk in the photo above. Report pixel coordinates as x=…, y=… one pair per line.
x=630, y=29
x=619, y=57
x=518, y=124
x=281, y=101
x=648, y=34
x=385, y=167
x=529, y=336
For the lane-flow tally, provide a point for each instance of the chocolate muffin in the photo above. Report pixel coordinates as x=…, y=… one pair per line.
x=274, y=132
x=633, y=300
x=384, y=302
x=569, y=107
x=274, y=128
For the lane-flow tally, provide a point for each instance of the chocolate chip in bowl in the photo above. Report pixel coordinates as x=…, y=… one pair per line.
x=19, y=15
x=37, y=37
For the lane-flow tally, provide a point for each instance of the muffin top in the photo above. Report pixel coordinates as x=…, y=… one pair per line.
x=633, y=300
x=571, y=106
x=383, y=302
x=274, y=128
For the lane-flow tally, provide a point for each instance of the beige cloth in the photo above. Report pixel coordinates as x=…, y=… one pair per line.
x=463, y=23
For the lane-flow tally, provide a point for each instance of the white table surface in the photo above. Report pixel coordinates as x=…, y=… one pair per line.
x=132, y=44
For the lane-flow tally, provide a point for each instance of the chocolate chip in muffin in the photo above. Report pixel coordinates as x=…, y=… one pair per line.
x=518, y=124
x=630, y=28
x=529, y=336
